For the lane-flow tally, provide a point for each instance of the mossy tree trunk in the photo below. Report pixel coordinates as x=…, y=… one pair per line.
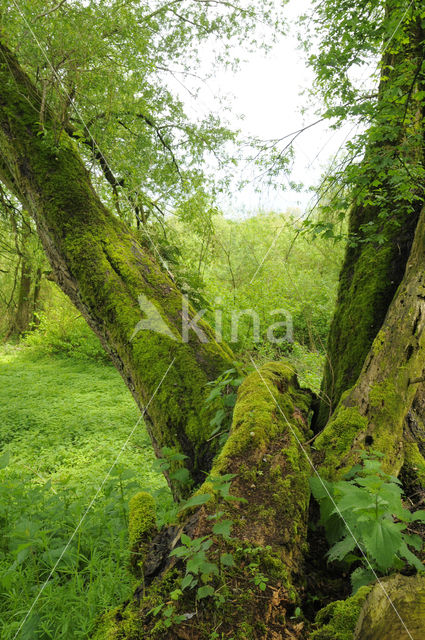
x=373, y=412
x=22, y=316
x=260, y=544
x=382, y=227
x=108, y=276
x=266, y=512
x=269, y=456
x=23, y=306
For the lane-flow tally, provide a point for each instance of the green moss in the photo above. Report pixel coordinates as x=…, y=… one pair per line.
x=269, y=530
x=414, y=467
x=337, y=620
x=271, y=469
x=393, y=606
x=260, y=409
x=104, y=270
x=141, y=525
x=369, y=279
x=119, y=624
x=337, y=439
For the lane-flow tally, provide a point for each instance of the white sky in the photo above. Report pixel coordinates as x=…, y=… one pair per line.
x=267, y=90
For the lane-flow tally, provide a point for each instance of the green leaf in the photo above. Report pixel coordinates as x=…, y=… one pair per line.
x=194, y=564
x=354, y=498
x=196, y=501
x=156, y=610
x=341, y=549
x=205, y=591
x=206, y=544
x=410, y=557
x=382, y=540
x=229, y=400
x=218, y=418
x=418, y=516
x=188, y=581
x=320, y=488
x=361, y=577
x=208, y=569
x=215, y=393
x=223, y=528
x=181, y=475
x=227, y=560
x=413, y=540
x=179, y=552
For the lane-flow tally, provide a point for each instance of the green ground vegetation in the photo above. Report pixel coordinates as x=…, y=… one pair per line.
x=63, y=422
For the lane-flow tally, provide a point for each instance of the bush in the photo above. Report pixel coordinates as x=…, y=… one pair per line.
x=62, y=330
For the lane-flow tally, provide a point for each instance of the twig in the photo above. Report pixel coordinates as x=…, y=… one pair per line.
x=46, y=13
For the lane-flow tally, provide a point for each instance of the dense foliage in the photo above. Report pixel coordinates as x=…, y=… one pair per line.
x=112, y=90
x=119, y=88
x=369, y=65
x=52, y=465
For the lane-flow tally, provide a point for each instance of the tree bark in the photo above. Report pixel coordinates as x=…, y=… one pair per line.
x=379, y=620
x=106, y=273
x=372, y=413
x=372, y=270
x=108, y=276
x=268, y=509
x=20, y=322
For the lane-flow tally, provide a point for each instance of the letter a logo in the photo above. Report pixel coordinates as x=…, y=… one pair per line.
x=152, y=321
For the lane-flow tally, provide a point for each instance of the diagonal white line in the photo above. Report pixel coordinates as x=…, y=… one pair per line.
x=266, y=254
x=303, y=449
x=93, y=501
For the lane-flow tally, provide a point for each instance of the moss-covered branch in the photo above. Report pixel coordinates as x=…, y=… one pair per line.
x=267, y=508
x=373, y=411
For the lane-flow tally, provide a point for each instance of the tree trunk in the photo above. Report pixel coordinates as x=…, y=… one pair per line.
x=372, y=413
x=108, y=276
x=379, y=620
x=243, y=535
x=36, y=296
x=28, y=287
x=372, y=269
x=22, y=316
x=255, y=594
x=266, y=453
x=368, y=281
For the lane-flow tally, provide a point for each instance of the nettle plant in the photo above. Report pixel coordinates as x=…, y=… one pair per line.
x=223, y=394
x=364, y=512
x=207, y=559
x=204, y=573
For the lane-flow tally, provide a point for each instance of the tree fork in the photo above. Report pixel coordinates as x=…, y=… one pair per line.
x=372, y=271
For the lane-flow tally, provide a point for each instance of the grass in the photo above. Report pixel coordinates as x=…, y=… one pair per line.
x=63, y=422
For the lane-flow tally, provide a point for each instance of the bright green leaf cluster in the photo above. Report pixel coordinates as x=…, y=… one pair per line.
x=365, y=512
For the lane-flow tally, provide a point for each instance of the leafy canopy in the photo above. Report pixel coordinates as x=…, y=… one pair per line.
x=369, y=63
x=110, y=71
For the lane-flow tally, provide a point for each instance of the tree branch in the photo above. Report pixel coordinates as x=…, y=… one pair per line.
x=46, y=13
